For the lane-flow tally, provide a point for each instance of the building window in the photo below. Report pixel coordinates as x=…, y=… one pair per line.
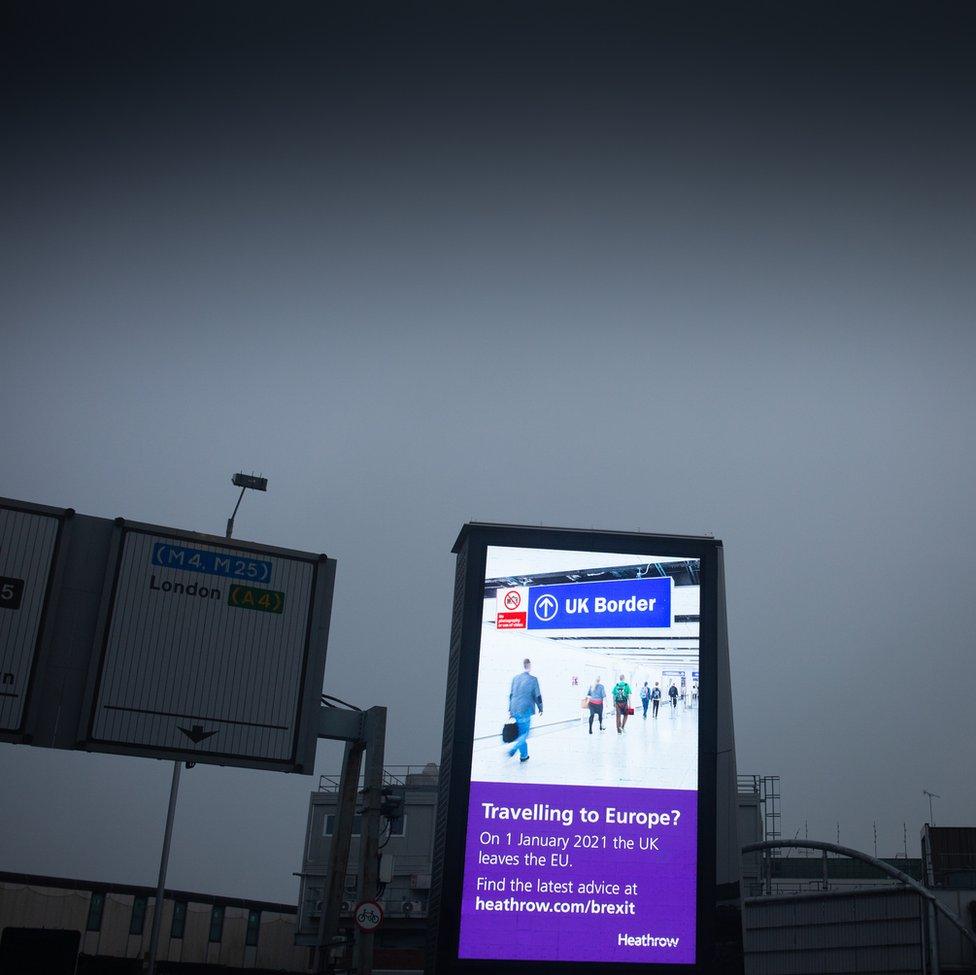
x=253, y=928
x=313, y=903
x=216, y=924
x=330, y=821
x=179, y=919
x=398, y=828
x=138, y=919
x=95, y=907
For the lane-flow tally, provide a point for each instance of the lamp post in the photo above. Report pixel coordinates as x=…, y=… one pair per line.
x=931, y=795
x=243, y=481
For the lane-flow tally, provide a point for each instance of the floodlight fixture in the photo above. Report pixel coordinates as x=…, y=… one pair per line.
x=251, y=481
x=244, y=481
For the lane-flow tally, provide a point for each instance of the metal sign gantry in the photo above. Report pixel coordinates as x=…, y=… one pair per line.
x=137, y=639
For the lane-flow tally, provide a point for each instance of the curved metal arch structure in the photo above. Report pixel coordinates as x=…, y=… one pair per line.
x=886, y=868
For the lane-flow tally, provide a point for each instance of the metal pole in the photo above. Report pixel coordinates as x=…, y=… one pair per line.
x=931, y=795
x=163, y=863
x=338, y=861
x=230, y=520
x=933, y=919
x=369, y=843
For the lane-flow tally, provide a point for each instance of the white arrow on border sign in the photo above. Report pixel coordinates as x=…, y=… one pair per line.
x=546, y=607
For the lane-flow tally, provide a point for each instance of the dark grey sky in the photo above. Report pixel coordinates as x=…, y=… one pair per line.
x=598, y=268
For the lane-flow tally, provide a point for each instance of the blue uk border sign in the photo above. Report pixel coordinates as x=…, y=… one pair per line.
x=622, y=603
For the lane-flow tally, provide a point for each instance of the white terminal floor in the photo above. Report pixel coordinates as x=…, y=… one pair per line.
x=659, y=753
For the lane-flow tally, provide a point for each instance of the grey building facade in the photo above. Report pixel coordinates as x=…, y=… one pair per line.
x=406, y=848
x=109, y=927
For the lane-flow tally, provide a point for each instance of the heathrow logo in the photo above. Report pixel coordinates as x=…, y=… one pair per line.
x=545, y=607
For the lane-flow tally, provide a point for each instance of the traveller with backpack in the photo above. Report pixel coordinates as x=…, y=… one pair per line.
x=656, y=698
x=621, y=703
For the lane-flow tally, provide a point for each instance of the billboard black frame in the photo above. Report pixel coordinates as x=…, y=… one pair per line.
x=456, y=758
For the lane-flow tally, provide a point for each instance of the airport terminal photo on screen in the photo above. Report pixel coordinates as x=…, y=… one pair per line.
x=623, y=630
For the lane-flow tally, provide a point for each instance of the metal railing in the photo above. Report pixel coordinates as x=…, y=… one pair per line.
x=394, y=775
x=748, y=784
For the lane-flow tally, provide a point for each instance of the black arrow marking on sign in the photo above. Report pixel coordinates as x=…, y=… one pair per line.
x=196, y=734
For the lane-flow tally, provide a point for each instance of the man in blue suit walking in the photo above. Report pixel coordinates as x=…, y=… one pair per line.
x=523, y=699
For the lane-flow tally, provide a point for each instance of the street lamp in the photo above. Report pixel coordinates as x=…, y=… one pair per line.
x=244, y=481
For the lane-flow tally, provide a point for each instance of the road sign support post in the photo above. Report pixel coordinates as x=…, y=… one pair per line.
x=369, y=843
x=338, y=724
x=157, y=921
x=339, y=850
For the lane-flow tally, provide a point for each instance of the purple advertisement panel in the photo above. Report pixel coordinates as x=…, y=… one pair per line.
x=577, y=873
x=581, y=841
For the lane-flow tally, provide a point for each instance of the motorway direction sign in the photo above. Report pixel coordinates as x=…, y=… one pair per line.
x=28, y=541
x=206, y=650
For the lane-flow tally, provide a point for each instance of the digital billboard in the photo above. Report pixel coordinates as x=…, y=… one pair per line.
x=581, y=744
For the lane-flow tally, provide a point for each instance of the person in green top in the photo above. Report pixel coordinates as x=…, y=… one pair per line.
x=621, y=703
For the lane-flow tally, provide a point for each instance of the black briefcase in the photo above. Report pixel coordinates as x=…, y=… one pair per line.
x=509, y=731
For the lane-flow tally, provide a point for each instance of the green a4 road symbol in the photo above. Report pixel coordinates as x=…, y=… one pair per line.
x=249, y=597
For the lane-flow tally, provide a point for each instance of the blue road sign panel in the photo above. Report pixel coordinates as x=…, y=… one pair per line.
x=623, y=603
x=228, y=564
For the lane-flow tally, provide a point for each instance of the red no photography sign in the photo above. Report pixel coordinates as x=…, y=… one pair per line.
x=510, y=608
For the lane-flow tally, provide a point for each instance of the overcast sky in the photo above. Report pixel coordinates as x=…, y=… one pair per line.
x=595, y=269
